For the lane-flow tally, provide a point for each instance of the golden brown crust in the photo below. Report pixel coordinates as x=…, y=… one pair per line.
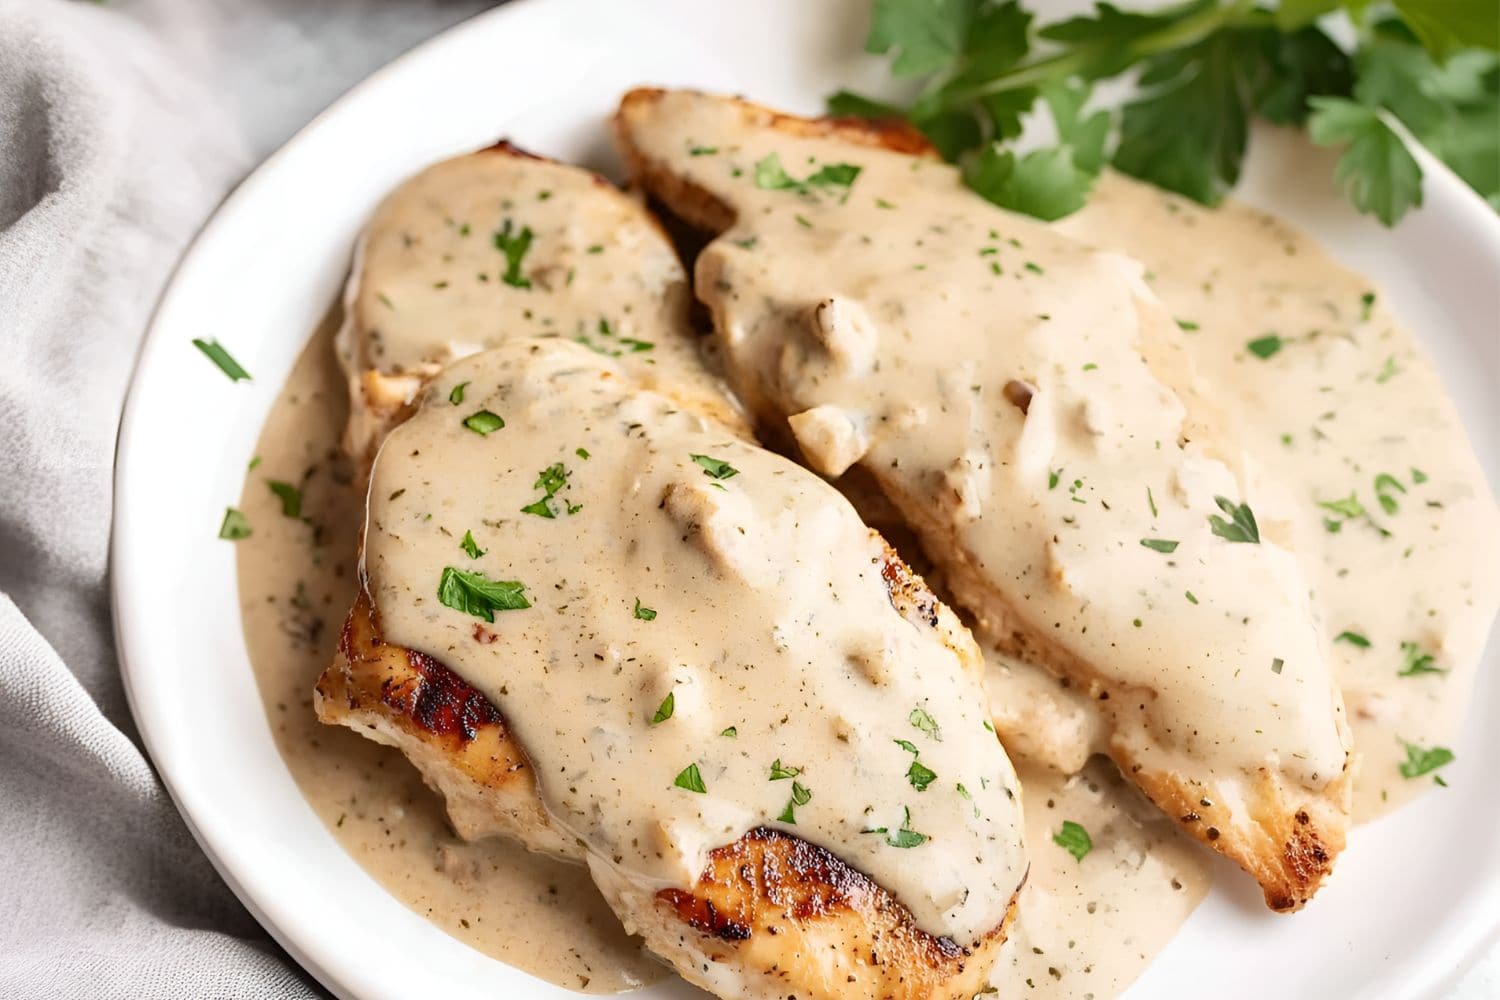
x=781, y=898
x=769, y=908
x=1285, y=837
x=702, y=210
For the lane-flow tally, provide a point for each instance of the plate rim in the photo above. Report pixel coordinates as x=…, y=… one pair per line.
x=121, y=574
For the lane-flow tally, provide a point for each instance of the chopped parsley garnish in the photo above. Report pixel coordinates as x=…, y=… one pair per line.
x=1384, y=485
x=1264, y=347
x=1353, y=639
x=703, y=150
x=665, y=709
x=457, y=395
x=256, y=461
x=904, y=837
x=475, y=595
x=470, y=546
x=220, y=357
x=1187, y=324
x=772, y=176
x=1415, y=661
x=715, y=468
x=1418, y=477
x=1159, y=544
x=906, y=745
x=514, y=245
x=800, y=797
x=1388, y=371
x=1074, y=839
x=1053, y=475
x=484, y=422
x=1240, y=527
x=550, y=480
x=1350, y=507
x=1151, y=500
x=234, y=526
x=1366, y=303
x=1420, y=760
x=645, y=614
x=582, y=453
x=920, y=775
x=290, y=496
x=690, y=779
x=780, y=772
x=1189, y=595
x=925, y=723
x=731, y=732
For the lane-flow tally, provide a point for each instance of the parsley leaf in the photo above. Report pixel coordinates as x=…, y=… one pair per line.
x=920, y=775
x=1159, y=544
x=514, y=245
x=1420, y=760
x=772, y=176
x=474, y=594
x=216, y=353
x=470, y=546
x=1415, y=661
x=690, y=779
x=800, y=797
x=290, y=496
x=1353, y=639
x=1376, y=170
x=457, y=395
x=484, y=422
x=664, y=711
x=1045, y=183
x=1074, y=839
x=1241, y=526
x=905, y=837
x=925, y=723
x=1264, y=347
x=779, y=772
x=645, y=614
x=715, y=468
x=928, y=36
x=234, y=526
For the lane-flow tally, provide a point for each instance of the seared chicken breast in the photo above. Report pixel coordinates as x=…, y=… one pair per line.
x=1025, y=403
x=605, y=625
x=498, y=244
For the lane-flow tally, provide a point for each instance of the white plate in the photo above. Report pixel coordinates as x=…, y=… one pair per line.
x=1415, y=895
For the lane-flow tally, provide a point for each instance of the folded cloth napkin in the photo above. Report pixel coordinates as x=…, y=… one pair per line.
x=122, y=125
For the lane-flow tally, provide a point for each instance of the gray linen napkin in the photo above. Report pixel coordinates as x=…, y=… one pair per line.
x=122, y=125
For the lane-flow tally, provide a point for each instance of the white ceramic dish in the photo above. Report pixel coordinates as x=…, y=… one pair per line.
x=1415, y=896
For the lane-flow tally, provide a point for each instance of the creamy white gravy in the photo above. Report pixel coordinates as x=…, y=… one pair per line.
x=1026, y=402
x=1347, y=406
x=296, y=581
x=486, y=247
x=709, y=644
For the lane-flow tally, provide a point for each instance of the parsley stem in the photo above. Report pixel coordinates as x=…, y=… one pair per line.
x=1190, y=30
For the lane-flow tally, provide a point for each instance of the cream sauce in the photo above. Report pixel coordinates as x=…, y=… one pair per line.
x=1087, y=928
x=481, y=248
x=296, y=582
x=1349, y=397
x=1049, y=441
x=1247, y=275
x=770, y=662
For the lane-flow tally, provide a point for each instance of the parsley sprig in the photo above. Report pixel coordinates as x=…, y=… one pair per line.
x=1205, y=69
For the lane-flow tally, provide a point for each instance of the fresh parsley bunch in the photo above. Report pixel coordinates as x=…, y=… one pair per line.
x=1422, y=69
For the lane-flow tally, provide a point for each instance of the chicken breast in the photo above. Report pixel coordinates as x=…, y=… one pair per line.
x=492, y=245
x=684, y=661
x=1025, y=403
